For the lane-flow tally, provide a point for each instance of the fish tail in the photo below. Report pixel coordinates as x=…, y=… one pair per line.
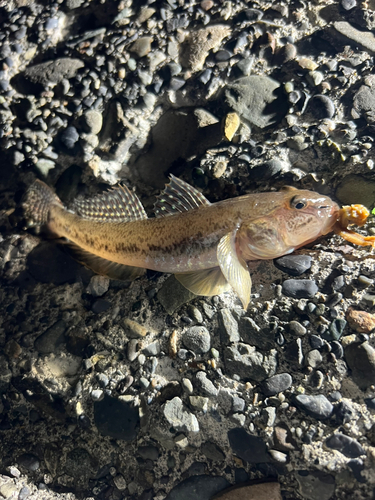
x=37, y=202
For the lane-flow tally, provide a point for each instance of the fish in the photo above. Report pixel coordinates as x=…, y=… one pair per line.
x=207, y=246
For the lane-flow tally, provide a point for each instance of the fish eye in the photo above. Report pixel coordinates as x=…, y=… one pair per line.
x=297, y=203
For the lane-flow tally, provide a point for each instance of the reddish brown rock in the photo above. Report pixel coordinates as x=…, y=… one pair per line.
x=261, y=491
x=360, y=321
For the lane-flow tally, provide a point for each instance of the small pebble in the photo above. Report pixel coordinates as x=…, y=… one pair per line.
x=197, y=339
x=294, y=265
x=276, y=384
x=300, y=289
x=316, y=406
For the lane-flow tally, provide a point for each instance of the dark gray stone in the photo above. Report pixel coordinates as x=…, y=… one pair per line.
x=205, y=384
x=212, y=451
x=316, y=406
x=346, y=445
x=116, y=419
x=278, y=383
x=148, y=452
x=253, y=335
x=29, y=462
x=361, y=360
x=300, y=289
x=321, y=106
x=49, y=340
x=294, y=264
x=100, y=305
x=69, y=137
x=197, y=339
x=202, y=487
x=250, y=448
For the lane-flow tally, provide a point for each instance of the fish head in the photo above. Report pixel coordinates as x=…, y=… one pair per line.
x=301, y=217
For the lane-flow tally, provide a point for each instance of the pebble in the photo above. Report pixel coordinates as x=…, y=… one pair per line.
x=283, y=439
x=250, y=448
x=294, y=265
x=92, y=121
x=337, y=349
x=179, y=417
x=69, y=137
x=345, y=444
x=228, y=327
x=296, y=328
x=336, y=329
x=246, y=362
x=152, y=349
x=132, y=350
x=321, y=106
x=276, y=384
x=316, y=406
x=98, y=286
x=348, y=4
x=133, y=329
x=360, y=321
x=361, y=360
x=203, y=487
x=313, y=358
x=205, y=385
x=142, y=46
x=199, y=403
x=116, y=419
x=266, y=170
x=100, y=305
x=344, y=412
x=49, y=340
x=238, y=404
x=197, y=339
x=300, y=289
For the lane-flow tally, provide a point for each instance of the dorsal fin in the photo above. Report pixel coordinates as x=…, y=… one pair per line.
x=178, y=196
x=118, y=204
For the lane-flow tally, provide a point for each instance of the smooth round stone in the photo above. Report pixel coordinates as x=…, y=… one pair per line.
x=294, y=265
x=92, y=121
x=223, y=55
x=300, y=289
x=100, y=305
x=316, y=342
x=314, y=358
x=142, y=46
x=69, y=137
x=346, y=445
x=276, y=384
x=286, y=53
x=348, y=4
x=321, y=106
x=316, y=406
x=197, y=339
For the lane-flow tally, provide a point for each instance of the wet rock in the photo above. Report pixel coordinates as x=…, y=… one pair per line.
x=361, y=360
x=179, y=417
x=202, y=487
x=315, y=485
x=116, y=419
x=250, y=448
x=249, y=364
x=197, y=339
x=278, y=383
x=261, y=491
x=199, y=43
x=294, y=265
x=257, y=100
x=360, y=321
x=48, y=341
x=356, y=189
x=316, y=406
x=346, y=445
x=228, y=327
x=300, y=289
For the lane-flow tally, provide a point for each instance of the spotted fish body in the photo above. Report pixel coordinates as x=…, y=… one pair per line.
x=207, y=246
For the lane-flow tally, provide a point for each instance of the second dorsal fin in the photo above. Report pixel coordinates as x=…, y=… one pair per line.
x=119, y=204
x=178, y=196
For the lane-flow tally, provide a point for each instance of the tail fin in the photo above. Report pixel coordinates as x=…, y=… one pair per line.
x=37, y=203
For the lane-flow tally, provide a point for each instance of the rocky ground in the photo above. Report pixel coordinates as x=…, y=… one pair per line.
x=115, y=390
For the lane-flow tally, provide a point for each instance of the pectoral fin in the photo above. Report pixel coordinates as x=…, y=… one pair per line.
x=102, y=266
x=207, y=282
x=234, y=268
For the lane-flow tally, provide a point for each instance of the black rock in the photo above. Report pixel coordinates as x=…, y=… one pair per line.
x=100, y=305
x=202, y=487
x=250, y=448
x=316, y=342
x=293, y=264
x=278, y=383
x=321, y=106
x=300, y=289
x=29, y=461
x=116, y=419
x=316, y=406
x=346, y=445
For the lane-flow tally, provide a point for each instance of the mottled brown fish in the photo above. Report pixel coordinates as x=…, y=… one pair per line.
x=206, y=245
